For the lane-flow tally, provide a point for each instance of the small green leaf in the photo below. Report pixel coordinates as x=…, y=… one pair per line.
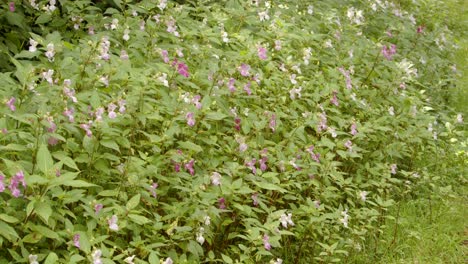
x=226, y=259
x=7, y=231
x=47, y=232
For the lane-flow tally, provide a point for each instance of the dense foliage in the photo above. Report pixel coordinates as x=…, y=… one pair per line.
x=215, y=131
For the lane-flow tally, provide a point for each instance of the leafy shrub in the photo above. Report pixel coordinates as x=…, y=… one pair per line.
x=212, y=131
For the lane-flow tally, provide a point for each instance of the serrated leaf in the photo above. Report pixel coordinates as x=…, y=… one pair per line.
x=8, y=218
x=138, y=219
x=43, y=210
x=7, y=231
x=44, y=159
x=51, y=259
x=78, y=184
x=269, y=186
x=110, y=144
x=226, y=259
x=190, y=146
x=133, y=202
x=45, y=231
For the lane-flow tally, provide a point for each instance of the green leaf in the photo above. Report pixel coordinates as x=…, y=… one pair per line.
x=44, y=18
x=8, y=219
x=153, y=258
x=43, y=210
x=269, y=186
x=7, y=231
x=32, y=238
x=51, y=259
x=110, y=144
x=215, y=116
x=190, y=146
x=226, y=259
x=132, y=203
x=138, y=219
x=44, y=159
x=195, y=248
x=78, y=184
x=47, y=232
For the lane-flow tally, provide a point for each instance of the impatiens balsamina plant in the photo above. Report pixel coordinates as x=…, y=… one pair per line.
x=211, y=131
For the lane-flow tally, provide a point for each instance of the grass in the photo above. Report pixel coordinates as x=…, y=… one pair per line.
x=424, y=231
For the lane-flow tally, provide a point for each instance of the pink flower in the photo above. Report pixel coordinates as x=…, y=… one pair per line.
x=189, y=166
x=11, y=104
x=11, y=6
x=14, y=183
x=222, y=203
x=388, y=53
x=243, y=147
x=87, y=129
x=165, y=56
x=196, y=101
x=153, y=189
x=215, y=179
x=420, y=29
x=2, y=184
x=255, y=199
x=247, y=88
x=262, y=162
x=237, y=122
x=190, y=119
x=334, y=99
x=231, y=86
x=323, y=122
x=348, y=144
x=122, y=104
x=273, y=122
x=266, y=242
x=76, y=240
x=69, y=113
x=244, y=69
x=111, y=108
x=176, y=166
x=278, y=45
x=346, y=74
x=182, y=69
x=98, y=208
x=113, y=223
x=251, y=165
x=262, y=53
x=353, y=129
x=314, y=156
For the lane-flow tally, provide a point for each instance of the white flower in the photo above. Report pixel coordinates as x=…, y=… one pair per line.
x=33, y=44
x=114, y=24
x=129, y=260
x=286, y=219
x=126, y=37
x=277, y=261
x=264, y=15
x=363, y=195
x=168, y=261
x=50, y=7
x=104, y=80
x=310, y=10
x=407, y=67
x=216, y=179
x=345, y=218
x=162, y=4
x=200, y=238
x=295, y=92
x=391, y=111
x=96, y=255
x=33, y=259
x=50, y=53
x=459, y=118
x=163, y=79
x=207, y=220
x=34, y=4
x=48, y=76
